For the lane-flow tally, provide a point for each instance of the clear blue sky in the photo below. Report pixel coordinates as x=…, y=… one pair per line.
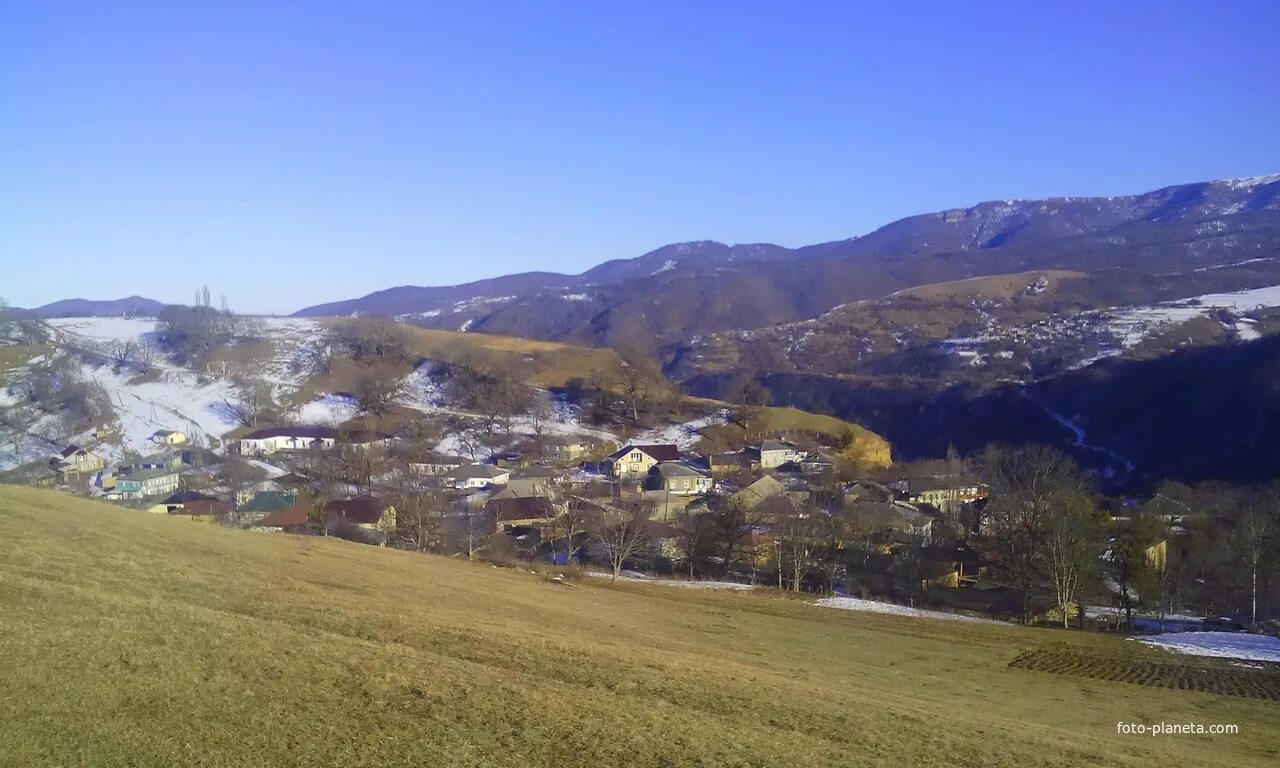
x=293, y=153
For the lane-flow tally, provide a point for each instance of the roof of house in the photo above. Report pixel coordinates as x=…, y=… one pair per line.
x=670, y=469
x=776, y=445
x=362, y=436
x=362, y=510
x=308, y=433
x=922, y=484
x=657, y=452
x=201, y=508
x=148, y=474
x=476, y=472
x=440, y=459
x=71, y=450
x=889, y=513
x=727, y=458
x=522, y=508
x=284, y=518
x=163, y=433
x=185, y=496
x=763, y=488
x=268, y=501
x=536, y=473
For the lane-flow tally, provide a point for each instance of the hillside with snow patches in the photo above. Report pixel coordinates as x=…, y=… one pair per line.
x=197, y=403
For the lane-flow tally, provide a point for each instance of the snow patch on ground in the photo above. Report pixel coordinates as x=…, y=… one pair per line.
x=177, y=399
x=686, y=434
x=667, y=266
x=687, y=584
x=871, y=606
x=328, y=410
x=1225, y=645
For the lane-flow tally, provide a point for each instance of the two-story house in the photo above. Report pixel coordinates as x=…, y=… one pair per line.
x=775, y=453
x=76, y=461
x=142, y=483
x=635, y=461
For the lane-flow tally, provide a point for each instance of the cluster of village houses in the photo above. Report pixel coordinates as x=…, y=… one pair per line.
x=519, y=496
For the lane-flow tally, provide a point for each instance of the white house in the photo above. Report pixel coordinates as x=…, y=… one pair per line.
x=775, y=453
x=272, y=439
x=477, y=476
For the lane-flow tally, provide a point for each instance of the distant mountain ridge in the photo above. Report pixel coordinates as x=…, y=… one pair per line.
x=685, y=289
x=131, y=305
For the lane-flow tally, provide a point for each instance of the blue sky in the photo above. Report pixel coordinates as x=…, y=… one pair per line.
x=292, y=153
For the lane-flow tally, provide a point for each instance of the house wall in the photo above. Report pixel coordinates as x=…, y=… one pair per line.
x=633, y=463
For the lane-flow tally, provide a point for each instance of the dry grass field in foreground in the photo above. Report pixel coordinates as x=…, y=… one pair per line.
x=128, y=639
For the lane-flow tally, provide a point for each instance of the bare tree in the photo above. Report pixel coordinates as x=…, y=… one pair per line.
x=576, y=519
x=1254, y=539
x=1026, y=484
x=693, y=538
x=252, y=400
x=622, y=533
x=371, y=339
x=1072, y=544
x=491, y=386
x=377, y=389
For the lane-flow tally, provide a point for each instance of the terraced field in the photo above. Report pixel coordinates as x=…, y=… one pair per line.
x=1220, y=677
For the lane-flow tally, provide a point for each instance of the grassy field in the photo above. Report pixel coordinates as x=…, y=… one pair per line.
x=871, y=448
x=14, y=356
x=129, y=639
x=989, y=287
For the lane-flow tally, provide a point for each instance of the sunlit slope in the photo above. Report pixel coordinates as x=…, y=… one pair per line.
x=133, y=639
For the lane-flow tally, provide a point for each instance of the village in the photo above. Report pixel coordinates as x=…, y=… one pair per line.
x=621, y=475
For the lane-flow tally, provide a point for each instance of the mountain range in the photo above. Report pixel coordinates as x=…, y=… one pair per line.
x=687, y=289
x=1115, y=327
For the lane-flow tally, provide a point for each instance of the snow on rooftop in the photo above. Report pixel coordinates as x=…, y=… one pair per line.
x=1225, y=645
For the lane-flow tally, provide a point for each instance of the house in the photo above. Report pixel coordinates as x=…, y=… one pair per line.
x=635, y=461
x=764, y=488
x=177, y=501
x=814, y=463
x=868, y=490
x=900, y=522
x=168, y=437
x=518, y=487
x=366, y=513
x=678, y=478
x=565, y=447
x=293, y=519
x=273, y=439
x=477, y=476
x=946, y=494
x=360, y=438
x=74, y=461
x=164, y=460
x=511, y=460
x=522, y=512
x=775, y=453
x=432, y=463
x=202, y=510
x=264, y=503
x=141, y=483
x=721, y=464
x=950, y=565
